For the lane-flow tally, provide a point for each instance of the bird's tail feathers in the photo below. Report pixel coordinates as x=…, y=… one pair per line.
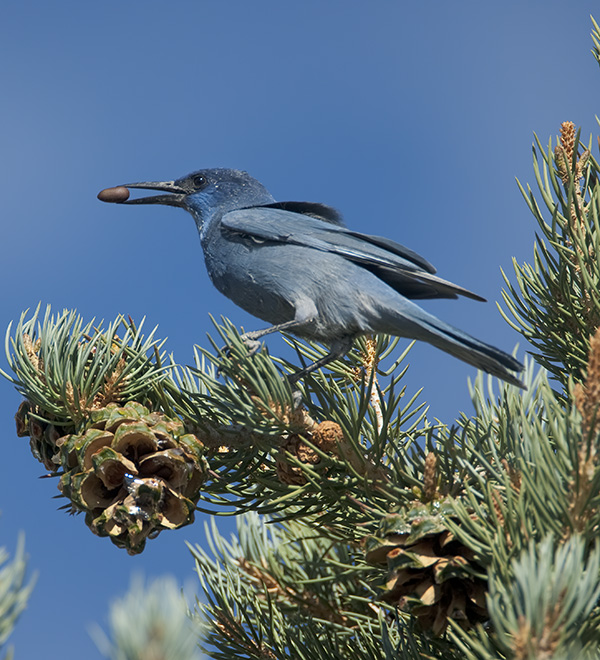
x=477, y=353
x=461, y=345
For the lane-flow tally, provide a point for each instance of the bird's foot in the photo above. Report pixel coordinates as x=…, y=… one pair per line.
x=251, y=344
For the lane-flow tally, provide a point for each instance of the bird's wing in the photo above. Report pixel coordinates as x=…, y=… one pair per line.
x=334, y=217
x=399, y=267
x=311, y=209
x=396, y=248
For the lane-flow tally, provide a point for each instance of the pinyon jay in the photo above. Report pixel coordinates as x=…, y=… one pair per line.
x=296, y=266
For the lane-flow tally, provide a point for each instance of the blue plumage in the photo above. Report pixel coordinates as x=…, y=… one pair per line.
x=296, y=266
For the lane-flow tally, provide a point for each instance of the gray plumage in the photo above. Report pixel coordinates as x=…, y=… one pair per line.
x=297, y=267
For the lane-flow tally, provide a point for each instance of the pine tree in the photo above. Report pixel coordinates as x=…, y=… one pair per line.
x=364, y=529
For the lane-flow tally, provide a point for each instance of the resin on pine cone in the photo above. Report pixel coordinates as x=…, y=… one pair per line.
x=432, y=574
x=133, y=473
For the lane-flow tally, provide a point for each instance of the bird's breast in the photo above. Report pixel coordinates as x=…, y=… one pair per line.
x=250, y=276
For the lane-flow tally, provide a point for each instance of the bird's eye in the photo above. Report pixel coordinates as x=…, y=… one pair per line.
x=199, y=181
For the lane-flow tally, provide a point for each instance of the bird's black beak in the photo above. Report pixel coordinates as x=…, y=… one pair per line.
x=120, y=194
x=175, y=197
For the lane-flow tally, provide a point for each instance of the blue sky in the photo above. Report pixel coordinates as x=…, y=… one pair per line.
x=413, y=119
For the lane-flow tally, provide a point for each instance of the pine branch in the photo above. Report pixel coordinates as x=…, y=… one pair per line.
x=555, y=303
x=544, y=610
x=14, y=592
x=596, y=40
x=149, y=623
x=283, y=591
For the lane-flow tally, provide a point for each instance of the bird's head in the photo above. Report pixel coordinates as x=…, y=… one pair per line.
x=203, y=193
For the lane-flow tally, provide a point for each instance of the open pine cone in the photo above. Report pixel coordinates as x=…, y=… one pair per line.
x=43, y=435
x=132, y=472
x=432, y=574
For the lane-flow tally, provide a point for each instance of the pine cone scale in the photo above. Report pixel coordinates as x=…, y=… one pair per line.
x=431, y=574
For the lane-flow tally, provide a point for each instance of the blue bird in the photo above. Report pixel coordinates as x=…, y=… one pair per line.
x=297, y=266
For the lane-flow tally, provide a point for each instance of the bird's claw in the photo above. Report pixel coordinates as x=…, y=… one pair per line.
x=252, y=345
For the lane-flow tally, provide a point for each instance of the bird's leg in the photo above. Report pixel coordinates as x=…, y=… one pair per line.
x=250, y=338
x=337, y=349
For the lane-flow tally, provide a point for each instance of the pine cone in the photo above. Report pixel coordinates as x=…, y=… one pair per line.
x=132, y=472
x=432, y=574
x=327, y=436
x=287, y=472
x=43, y=435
